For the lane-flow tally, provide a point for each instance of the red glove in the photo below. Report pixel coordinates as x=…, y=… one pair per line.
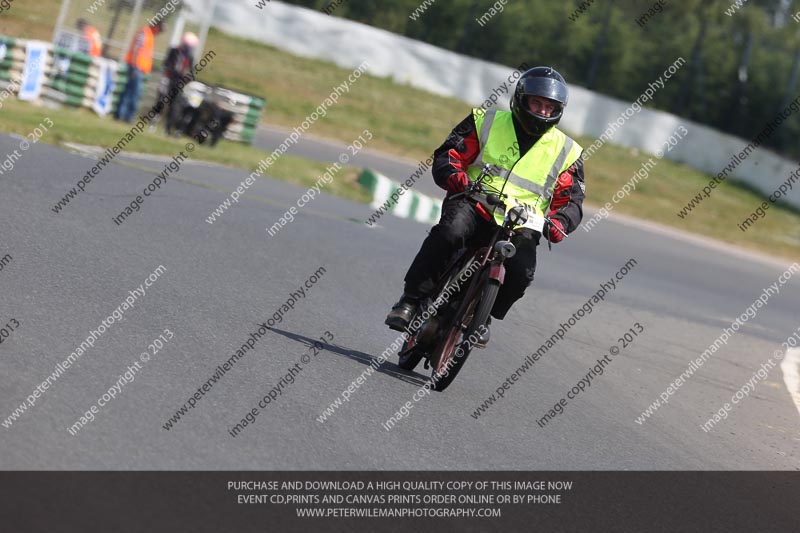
x=457, y=182
x=553, y=233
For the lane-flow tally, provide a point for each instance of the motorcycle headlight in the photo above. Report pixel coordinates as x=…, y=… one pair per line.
x=505, y=248
x=517, y=216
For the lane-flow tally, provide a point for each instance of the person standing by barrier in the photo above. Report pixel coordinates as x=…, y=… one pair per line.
x=140, y=62
x=92, y=36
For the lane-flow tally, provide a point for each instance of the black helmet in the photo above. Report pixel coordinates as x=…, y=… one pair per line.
x=539, y=81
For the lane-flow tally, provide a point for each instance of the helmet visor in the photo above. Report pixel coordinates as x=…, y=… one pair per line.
x=545, y=87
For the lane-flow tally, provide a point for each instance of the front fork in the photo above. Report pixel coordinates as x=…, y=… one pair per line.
x=497, y=272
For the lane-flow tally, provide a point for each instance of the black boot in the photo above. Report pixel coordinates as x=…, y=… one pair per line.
x=402, y=313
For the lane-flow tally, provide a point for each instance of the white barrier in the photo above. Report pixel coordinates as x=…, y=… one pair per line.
x=346, y=43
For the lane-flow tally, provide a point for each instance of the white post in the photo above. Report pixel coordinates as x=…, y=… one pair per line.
x=177, y=30
x=62, y=14
x=133, y=26
x=204, y=29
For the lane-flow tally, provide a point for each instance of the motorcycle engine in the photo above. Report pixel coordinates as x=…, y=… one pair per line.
x=427, y=333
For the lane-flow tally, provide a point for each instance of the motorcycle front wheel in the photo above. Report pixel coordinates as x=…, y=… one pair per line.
x=459, y=341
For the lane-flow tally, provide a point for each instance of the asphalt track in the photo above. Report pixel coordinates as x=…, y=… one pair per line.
x=71, y=270
x=325, y=151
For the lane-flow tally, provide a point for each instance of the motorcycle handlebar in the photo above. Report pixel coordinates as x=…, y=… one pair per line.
x=548, y=224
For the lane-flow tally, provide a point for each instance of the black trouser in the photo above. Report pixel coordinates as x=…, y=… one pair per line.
x=174, y=106
x=459, y=225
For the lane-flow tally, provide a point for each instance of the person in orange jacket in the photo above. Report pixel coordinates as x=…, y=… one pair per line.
x=140, y=62
x=91, y=35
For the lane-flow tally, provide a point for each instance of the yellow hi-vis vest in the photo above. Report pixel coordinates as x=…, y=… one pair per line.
x=532, y=177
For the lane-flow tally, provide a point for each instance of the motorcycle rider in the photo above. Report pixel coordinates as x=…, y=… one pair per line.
x=546, y=173
x=178, y=64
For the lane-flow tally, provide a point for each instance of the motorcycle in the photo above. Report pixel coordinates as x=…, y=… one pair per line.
x=197, y=112
x=446, y=328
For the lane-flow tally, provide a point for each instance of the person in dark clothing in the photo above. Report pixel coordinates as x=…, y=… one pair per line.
x=545, y=172
x=178, y=64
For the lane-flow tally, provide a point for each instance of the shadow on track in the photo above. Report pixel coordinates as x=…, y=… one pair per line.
x=390, y=369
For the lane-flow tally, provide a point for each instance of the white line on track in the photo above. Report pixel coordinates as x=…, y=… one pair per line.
x=791, y=374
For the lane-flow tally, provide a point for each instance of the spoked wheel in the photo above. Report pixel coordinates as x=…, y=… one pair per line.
x=457, y=345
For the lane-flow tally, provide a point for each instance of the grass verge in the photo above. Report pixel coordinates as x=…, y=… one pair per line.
x=410, y=123
x=84, y=127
